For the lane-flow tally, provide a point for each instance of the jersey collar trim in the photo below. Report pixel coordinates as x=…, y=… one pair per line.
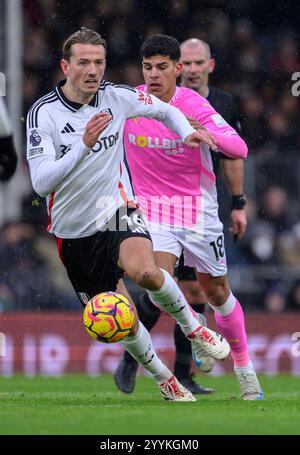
x=175, y=96
x=71, y=104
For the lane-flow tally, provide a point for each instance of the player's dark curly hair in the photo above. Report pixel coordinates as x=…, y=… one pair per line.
x=161, y=45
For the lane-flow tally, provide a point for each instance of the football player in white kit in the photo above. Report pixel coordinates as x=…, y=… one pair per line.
x=75, y=156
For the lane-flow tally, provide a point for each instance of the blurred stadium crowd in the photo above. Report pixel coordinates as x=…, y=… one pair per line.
x=256, y=48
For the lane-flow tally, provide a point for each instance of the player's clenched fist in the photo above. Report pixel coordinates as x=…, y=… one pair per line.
x=94, y=128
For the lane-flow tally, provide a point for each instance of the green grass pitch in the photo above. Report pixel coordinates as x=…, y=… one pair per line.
x=83, y=405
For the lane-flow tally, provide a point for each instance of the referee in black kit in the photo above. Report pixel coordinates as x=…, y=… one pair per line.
x=197, y=66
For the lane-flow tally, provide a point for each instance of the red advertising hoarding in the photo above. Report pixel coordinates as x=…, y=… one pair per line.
x=56, y=343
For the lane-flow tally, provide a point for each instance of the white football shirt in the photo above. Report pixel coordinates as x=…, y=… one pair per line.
x=83, y=186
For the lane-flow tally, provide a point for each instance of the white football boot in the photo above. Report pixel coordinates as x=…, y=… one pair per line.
x=249, y=384
x=210, y=342
x=172, y=390
x=203, y=362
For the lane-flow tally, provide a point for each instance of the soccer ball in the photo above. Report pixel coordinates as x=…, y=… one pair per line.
x=108, y=317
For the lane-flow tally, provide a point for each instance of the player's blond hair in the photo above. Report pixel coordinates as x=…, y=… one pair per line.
x=83, y=36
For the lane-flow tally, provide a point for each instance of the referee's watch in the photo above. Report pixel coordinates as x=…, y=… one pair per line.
x=238, y=202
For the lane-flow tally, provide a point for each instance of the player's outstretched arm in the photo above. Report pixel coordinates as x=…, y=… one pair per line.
x=227, y=139
x=137, y=103
x=141, y=104
x=194, y=139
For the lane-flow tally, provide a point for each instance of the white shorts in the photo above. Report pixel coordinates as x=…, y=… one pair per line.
x=203, y=250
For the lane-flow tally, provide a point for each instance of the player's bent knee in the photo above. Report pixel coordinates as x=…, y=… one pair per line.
x=197, y=295
x=216, y=289
x=218, y=295
x=146, y=276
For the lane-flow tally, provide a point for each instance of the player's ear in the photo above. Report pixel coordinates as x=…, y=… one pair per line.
x=212, y=65
x=178, y=69
x=64, y=64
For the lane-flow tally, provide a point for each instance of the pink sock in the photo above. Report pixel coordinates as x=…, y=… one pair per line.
x=232, y=327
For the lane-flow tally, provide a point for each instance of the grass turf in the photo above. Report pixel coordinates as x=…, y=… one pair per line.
x=84, y=405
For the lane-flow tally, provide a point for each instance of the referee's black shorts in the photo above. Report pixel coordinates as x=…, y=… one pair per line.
x=91, y=262
x=185, y=273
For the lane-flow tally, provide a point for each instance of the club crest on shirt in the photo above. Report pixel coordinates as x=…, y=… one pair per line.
x=107, y=110
x=35, y=138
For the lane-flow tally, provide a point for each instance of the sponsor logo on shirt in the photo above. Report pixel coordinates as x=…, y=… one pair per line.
x=35, y=138
x=145, y=98
x=103, y=143
x=35, y=152
x=171, y=146
x=68, y=128
x=65, y=149
x=218, y=120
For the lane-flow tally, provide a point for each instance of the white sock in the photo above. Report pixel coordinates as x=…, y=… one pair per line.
x=170, y=299
x=247, y=368
x=227, y=307
x=141, y=348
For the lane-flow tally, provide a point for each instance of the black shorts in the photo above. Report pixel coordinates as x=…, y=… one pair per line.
x=91, y=262
x=185, y=273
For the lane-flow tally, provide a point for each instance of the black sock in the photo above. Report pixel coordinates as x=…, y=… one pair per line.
x=199, y=308
x=148, y=315
x=148, y=312
x=183, y=357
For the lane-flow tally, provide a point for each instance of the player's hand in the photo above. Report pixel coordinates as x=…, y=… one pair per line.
x=193, y=140
x=195, y=123
x=95, y=127
x=238, y=223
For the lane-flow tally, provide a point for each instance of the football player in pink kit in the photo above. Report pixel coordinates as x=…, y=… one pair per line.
x=176, y=190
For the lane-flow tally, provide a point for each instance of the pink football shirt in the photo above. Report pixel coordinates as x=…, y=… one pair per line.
x=174, y=183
